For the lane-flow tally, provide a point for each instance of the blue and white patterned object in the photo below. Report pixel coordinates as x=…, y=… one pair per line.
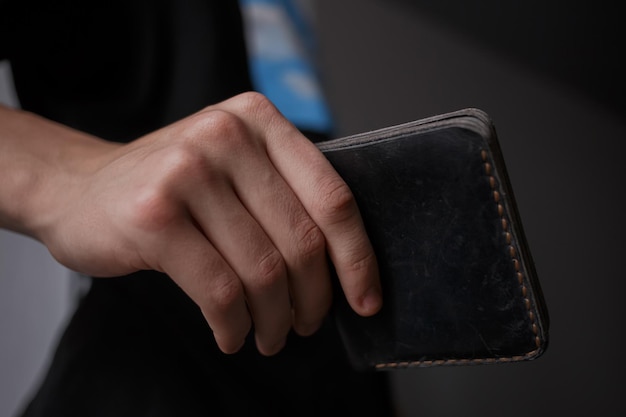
x=280, y=43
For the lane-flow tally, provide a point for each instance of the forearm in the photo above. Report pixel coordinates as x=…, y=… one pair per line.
x=39, y=161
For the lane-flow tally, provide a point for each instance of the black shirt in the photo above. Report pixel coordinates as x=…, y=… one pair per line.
x=120, y=68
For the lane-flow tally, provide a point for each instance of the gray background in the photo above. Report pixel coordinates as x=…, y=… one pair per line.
x=551, y=81
x=549, y=74
x=35, y=301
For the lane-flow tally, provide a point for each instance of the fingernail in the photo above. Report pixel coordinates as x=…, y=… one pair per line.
x=307, y=329
x=371, y=302
x=231, y=348
x=274, y=349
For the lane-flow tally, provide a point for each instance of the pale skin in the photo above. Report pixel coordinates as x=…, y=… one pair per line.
x=233, y=203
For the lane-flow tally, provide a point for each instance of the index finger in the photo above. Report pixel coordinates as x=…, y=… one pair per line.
x=324, y=195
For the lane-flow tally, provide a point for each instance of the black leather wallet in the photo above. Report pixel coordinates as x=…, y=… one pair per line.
x=459, y=284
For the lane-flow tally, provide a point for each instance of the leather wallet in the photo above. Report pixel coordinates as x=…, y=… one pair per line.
x=459, y=284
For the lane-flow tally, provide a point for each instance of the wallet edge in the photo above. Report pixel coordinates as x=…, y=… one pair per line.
x=479, y=122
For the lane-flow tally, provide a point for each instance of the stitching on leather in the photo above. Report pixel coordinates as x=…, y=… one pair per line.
x=440, y=362
x=511, y=247
x=493, y=184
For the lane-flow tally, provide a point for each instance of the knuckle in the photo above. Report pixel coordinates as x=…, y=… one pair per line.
x=336, y=202
x=194, y=158
x=309, y=240
x=152, y=210
x=183, y=160
x=256, y=103
x=217, y=129
x=226, y=126
x=362, y=262
x=223, y=291
x=259, y=108
x=269, y=270
x=155, y=204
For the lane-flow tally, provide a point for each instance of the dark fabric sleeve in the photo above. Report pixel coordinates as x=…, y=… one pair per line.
x=140, y=63
x=5, y=37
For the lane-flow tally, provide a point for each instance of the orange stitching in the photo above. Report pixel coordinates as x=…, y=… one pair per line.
x=508, y=237
x=428, y=363
x=512, y=250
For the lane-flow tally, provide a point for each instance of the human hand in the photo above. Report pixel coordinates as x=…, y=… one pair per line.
x=237, y=207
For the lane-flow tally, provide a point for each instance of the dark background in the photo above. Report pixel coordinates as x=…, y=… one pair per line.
x=550, y=75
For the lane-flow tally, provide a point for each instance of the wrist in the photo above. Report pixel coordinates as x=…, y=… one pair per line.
x=42, y=165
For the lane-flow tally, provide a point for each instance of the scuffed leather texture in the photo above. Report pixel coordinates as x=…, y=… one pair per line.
x=459, y=285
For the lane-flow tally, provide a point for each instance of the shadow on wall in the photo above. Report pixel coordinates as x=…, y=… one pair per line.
x=575, y=45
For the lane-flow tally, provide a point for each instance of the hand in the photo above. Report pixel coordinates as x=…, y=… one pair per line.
x=237, y=207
